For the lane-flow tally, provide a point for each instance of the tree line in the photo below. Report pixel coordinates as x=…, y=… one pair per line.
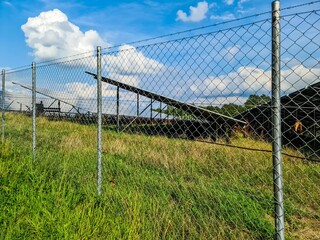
x=230, y=109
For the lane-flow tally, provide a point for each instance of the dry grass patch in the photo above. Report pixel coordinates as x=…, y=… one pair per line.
x=310, y=229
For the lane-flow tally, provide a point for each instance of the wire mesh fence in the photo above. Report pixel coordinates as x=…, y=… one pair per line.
x=300, y=116
x=187, y=129
x=15, y=101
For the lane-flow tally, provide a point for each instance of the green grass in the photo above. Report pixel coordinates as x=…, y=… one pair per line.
x=153, y=187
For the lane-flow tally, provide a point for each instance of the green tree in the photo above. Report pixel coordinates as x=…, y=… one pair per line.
x=230, y=109
x=256, y=100
x=175, y=112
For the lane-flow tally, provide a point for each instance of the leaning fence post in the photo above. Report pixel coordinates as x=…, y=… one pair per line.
x=3, y=102
x=276, y=122
x=34, y=110
x=99, y=120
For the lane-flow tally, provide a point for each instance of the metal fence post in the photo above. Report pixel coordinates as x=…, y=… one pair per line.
x=34, y=109
x=99, y=112
x=3, y=102
x=138, y=111
x=151, y=109
x=118, y=103
x=276, y=120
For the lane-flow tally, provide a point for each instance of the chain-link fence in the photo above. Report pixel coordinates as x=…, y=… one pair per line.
x=189, y=144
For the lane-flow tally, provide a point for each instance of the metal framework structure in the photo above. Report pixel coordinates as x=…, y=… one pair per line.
x=189, y=108
x=77, y=109
x=299, y=107
x=254, y=151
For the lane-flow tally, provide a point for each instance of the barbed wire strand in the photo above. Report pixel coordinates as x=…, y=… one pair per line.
x=300, y=5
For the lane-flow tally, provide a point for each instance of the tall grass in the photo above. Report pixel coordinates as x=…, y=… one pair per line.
x=153, y=187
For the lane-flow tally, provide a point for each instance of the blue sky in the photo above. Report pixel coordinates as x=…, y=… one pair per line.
x=115, y=22
x=226, y=65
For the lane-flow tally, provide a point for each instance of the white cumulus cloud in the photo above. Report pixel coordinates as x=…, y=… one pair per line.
x=52, y=36
x=252, y=80
x=197, y=13
x=86, y=90
x=84, y=95
x=130, y=62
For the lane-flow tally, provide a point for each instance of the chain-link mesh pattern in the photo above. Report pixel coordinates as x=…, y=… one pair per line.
x=67, y=97
x=17, y=101
x=176, y=89
x=300, y=103
x=187, y=129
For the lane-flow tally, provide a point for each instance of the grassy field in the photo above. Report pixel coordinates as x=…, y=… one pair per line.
x=153, y=187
